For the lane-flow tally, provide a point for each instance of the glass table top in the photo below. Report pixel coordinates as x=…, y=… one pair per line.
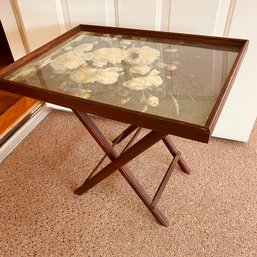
x=168, y=78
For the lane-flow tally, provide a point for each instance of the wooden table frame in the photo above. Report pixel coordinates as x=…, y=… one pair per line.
x=160, y=126
x=119, y=161
x=201, y=133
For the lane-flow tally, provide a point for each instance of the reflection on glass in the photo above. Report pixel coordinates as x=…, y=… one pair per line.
x=167, y=78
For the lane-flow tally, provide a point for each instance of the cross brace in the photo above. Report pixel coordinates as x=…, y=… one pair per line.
x=131, y=151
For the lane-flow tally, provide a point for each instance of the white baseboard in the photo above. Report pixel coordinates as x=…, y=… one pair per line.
x=58, y=107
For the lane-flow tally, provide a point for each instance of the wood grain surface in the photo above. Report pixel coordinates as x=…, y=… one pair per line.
x=13, y=108
x=16, y=114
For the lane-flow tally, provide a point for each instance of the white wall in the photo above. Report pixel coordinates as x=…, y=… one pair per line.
x=241, y=108
x=12, y=30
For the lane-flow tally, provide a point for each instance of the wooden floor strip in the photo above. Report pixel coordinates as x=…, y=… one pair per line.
x=7, y=100
x=16, y=114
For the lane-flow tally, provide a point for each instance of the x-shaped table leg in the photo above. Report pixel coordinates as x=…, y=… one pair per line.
x=118, y=162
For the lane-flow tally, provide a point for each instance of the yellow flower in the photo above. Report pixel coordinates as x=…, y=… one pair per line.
x=83, y=75
x=91, y=75
x=152, y=101
x=141, y=83
x=67, y=61
x=140, y=69
x=142, y=55
x=103, y=56
x=107, y=76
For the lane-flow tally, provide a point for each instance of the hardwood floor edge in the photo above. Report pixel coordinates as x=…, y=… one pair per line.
x=16, y=114
x=9, y=145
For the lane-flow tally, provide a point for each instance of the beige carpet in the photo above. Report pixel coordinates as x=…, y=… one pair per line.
x=212, y=212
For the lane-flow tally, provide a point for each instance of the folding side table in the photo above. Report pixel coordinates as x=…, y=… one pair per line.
x=169, y=83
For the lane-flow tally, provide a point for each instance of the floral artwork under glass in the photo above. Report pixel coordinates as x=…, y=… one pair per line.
x=171, y=79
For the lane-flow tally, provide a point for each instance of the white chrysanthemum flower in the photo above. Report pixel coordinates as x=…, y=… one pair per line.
x=84, y=75
x=155, y=80
x=152, y=101
x=141, y=83
x=67, y=61
x=124, y=100
x=107, y=76
x=140, y=69
x=142, y=55
x=82, y=50
x=138, y=83
x=103, y=56
x=91, y=75
x=154, y=72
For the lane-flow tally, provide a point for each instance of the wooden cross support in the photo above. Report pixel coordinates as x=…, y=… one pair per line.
x=131, y=151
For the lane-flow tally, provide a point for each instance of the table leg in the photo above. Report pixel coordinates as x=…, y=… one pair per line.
x=119, y=161
x=173, y=150
x=116, y=141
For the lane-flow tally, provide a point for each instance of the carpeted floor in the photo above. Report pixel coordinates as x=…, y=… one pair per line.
x=212, y=212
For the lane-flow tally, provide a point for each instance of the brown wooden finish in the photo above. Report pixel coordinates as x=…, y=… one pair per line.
x=160, y=127
x=118, y=162
x=132, y=140
x=110, y=168
x=185, y=37
x=168, y=126
x=16, y=115
x=124, y=134
x=116, y=141
x=165, y=180
x=14, y=109
x=7, y=100
x=219, y=41
x=214, y=115
x=172, y=148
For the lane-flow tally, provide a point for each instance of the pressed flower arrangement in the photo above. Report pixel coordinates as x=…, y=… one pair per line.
x=130, y=72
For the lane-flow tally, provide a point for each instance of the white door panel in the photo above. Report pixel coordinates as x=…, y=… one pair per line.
x=135, y=14
x=198, y=16
x=40, y=20
x=100, y=12
x=11, y=28
x=240, y=111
